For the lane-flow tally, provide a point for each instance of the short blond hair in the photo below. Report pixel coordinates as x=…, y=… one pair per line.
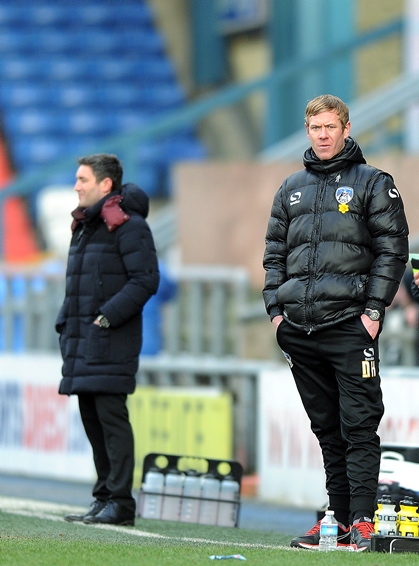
x=327, y=103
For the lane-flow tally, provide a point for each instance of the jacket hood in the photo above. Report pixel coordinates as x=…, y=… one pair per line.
x=351, y=153
x=134, y=199
x=116, y=207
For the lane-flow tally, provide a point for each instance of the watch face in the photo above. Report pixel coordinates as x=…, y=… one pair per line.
x=374, y=315
x=104, y=322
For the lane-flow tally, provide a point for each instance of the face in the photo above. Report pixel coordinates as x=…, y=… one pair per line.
x=89, y=190
x=326, y=134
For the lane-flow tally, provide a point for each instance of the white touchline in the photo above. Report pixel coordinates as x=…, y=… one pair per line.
x=55, y=512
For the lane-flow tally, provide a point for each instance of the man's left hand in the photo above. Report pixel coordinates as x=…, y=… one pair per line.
x=372, y=326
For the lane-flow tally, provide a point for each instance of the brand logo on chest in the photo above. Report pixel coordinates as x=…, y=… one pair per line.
x=295, y=198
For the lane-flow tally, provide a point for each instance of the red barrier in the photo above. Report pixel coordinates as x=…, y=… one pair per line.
x=19, y=239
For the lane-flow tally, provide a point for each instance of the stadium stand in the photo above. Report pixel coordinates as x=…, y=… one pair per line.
x=74, y=73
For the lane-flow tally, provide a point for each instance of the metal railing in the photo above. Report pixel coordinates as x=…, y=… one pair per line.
x=202, y=326
x=202, y=320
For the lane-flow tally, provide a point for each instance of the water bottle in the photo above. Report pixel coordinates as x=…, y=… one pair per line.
x=210, y=494
x=173, y=488
x=328, y=532
x=152, y=494
x=228, y=512
x=385, y=517
x=408, y=518
x=189, y=510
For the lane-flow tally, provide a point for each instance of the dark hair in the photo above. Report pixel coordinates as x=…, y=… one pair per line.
x=104, y=165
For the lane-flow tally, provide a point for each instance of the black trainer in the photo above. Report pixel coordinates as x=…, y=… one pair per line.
x=310, y=540
x=95, y=508
x=361, y=533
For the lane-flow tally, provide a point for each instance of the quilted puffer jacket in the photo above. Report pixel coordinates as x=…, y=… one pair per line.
x=112, y=270
x=337, y=241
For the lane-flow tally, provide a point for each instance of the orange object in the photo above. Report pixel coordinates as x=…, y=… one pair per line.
x=19, y=241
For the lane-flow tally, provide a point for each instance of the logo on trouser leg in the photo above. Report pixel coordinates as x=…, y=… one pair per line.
x=368, y=365
x=288, y=358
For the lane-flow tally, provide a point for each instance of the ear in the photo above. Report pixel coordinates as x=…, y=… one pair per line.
x=106, y=185
x=347, y=129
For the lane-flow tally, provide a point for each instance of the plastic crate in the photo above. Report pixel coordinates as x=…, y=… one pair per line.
x=394, y=544
x=190, y=489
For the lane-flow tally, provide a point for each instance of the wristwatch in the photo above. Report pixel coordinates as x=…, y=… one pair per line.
x=373, y=314
x=103, y=321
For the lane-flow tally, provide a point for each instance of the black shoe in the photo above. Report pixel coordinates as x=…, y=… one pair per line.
x=112, y=514
x=94, y=509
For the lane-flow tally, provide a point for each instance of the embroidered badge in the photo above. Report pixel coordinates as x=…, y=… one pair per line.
x=344, y=195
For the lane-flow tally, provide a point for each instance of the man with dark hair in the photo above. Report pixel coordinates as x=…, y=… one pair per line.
x=112, y=272
x=336, y=249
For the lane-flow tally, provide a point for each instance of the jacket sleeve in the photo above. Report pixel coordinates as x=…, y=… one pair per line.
x=389, y=232
x=138, y=254
x=275, y=257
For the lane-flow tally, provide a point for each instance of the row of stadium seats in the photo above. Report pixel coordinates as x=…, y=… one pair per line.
x=72, y=14
x=128, y=42
x=42, y=150
x=107, y=95
x=153, y=69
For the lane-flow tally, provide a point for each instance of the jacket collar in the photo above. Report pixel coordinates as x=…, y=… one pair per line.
x=351, y=153
x=108, y=208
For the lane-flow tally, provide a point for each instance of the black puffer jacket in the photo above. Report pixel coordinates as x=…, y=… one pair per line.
x=337, y=241
x=112, y=269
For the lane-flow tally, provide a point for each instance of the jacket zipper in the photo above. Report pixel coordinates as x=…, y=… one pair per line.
x=314, y=241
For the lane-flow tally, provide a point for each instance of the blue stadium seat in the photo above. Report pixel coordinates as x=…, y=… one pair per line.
x=84, y=122
x=24, y=122
x=141, y=41
x=35, y=151
x=10, y=43
x=64, y=68
x=25, y=94
x=18, y=68
x=29, y=152
x=67, y=95
x=162, y=97
x=48, y=41
x=14, y=16
x=51, y=14
x=119, y=96
x=129, y=119
x=115, y=15
x=47, y=68
x=74, y=95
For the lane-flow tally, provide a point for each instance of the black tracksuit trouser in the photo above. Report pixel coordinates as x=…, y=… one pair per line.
x=106, y=422
x=336, y=371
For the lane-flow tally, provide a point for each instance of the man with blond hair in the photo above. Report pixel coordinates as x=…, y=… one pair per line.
x=336, y=250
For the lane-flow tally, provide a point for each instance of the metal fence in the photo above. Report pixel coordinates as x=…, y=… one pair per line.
x=201, y=326
x=202, y=319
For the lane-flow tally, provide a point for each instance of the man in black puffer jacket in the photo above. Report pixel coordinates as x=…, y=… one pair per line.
x=112, y=272
x=336, y=249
